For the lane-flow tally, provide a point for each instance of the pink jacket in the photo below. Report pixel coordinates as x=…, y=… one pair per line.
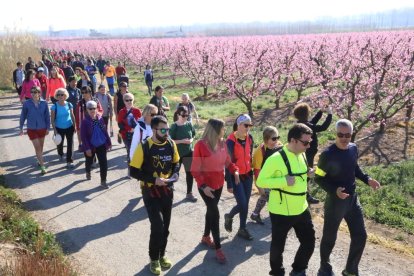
x=26, y=86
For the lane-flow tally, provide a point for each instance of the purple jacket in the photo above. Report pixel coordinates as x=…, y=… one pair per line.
x=86, y=133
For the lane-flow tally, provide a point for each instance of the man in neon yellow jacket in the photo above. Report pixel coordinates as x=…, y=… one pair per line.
x=285, y=173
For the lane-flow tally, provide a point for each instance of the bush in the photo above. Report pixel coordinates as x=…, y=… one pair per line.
x=16, y=46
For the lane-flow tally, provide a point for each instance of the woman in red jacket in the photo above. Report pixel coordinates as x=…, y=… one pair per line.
x=210, y=157
x=55, y=82
x=127, y=120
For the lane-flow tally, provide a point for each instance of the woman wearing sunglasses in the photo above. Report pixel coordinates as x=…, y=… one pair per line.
x=270, y=145
x=302, y=113
x=183, y=133
x=55, y=82
x=63, y=123
x=240, y=146
x=36, y=112
x=95, y=141
x=127, y=121
x=143, y=129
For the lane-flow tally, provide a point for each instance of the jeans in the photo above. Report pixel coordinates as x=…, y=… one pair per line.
x=149, y=85
x=186, y=160
x=212, y=216
x=159, y=214
x=337, y=209
x=100, y=153
x=68, y=133
x=111, y=81
x=242, y=193
x=303, y=226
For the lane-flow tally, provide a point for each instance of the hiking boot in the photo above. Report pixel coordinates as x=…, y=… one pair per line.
x=325, y=273
x=220, y=256
x=228, y=223
x=190, y=197
x=88, y=176
x=256, y=218
x=208, y=241
x=155, y=267
x=43, y=170
x=243, y=233
x=295, y=273
x=346, y=273
x=103, y=184
x=311, y=199
x=165, y=263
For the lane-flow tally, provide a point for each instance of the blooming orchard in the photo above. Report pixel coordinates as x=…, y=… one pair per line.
x=365, y=77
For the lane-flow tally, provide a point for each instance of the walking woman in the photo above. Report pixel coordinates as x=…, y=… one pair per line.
x=183, y=133
x=95, y=141
x=270, y=145
x=143, y=129
x=240, y=146
x=55, y=82
x=84, y=81
x=209, y=160
x=29, y=82
x=63, y=123
x=106, y=102
x=36, y=112
x=127, y=119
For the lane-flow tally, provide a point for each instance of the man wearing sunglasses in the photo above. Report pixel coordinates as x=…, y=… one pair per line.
x=285, y=173
x=156, y=164
x=336, y=172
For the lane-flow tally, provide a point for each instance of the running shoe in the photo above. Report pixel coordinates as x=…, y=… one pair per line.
x=228, y=223
x=190, y=197
x=165, y=263
x=43, y=170
x=346, y=273
x=104, y=184
x=311, y=199
x=256, y=218
x=155, y=267
x=243, y=233
x=208, y=241
x=220, y=256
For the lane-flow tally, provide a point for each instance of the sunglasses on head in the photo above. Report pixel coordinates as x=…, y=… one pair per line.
x=163, y=130
x=305, y=143
x=344, y=135
x=128, y=100
x=275, y=138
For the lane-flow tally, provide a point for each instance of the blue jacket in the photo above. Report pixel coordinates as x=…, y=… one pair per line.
x=37, y=117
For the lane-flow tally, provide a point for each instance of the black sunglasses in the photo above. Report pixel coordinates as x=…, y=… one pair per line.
x=342, y=135
x=35, y=92
x=275, y=138
x=128, y=100
x=58, y=95
x=247, y=125
x=184, y=115
x=153, y=114
x=92, y=108
x=305, y=143
x=163, y=130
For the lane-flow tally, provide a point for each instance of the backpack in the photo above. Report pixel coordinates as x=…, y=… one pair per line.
x=263, y=150
x=287, y=164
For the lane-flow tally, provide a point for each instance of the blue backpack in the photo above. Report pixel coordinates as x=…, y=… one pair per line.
x=98, y=136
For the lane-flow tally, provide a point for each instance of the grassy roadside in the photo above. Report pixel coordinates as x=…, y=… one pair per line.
x=39, y=253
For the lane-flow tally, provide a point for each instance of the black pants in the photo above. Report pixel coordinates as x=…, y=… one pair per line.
x=106, y=120
x=186, y=160
x=337, y=209
x=212, y=216
x=303, y=226
x=159, y=214
x=68, y=133
x=100, y=153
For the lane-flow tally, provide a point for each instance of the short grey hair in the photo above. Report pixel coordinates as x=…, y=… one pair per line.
x=91, y=104
x=62, y=91
x=344, y=123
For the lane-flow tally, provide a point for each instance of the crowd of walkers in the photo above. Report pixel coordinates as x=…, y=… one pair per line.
x=156, y=151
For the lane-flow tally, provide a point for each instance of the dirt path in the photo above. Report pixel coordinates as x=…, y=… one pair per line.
x=106, y=231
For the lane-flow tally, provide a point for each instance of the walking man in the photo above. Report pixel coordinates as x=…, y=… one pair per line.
x=156, y=164
x=285, y=173
x=336, y=172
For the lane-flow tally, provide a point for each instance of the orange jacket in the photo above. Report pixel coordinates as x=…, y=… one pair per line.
x=54, y=84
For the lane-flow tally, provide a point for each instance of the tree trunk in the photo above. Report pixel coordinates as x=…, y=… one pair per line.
x=299, y=94
x=409, y=112
x=277, y=102
x=205, y=91
x=249, y=106
x=382, y=127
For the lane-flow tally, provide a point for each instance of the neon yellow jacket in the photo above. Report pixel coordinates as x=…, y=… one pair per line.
x=273, y=176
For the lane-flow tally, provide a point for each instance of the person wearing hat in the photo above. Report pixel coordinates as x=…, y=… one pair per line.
x=240, y=146
x=36, y=112
x=95, y=141
x=43, y=81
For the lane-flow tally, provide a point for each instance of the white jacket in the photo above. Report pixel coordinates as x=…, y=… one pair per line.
x=136, y=138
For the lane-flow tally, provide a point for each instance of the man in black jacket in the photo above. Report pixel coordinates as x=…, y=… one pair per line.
x=336, y=172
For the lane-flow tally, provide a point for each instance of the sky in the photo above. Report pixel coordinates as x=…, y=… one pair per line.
x=75, y=14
